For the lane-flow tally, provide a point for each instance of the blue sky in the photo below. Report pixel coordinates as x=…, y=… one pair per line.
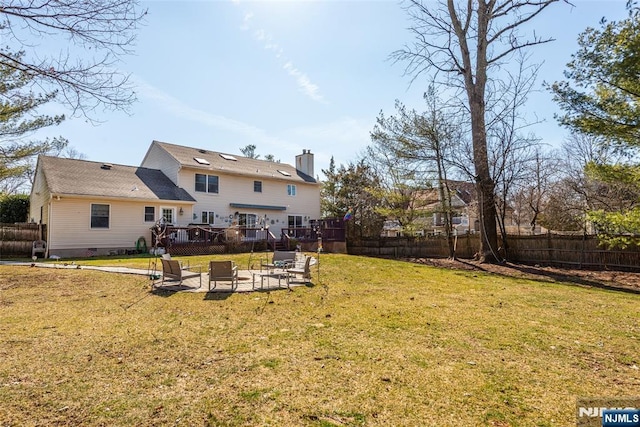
x=287, y=76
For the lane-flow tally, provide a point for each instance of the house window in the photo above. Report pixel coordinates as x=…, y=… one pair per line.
x=295, y=221
x=149, y=214
x=168, y=215
x=291, y=189
x=208, y=217
x=201, y=182
x=99, y=216
x=206, y=183
x=257, y=186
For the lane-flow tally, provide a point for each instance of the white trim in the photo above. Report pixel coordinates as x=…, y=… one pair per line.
x=173, y=213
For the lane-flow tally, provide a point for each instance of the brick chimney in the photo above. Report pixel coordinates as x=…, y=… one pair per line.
x=304, y=163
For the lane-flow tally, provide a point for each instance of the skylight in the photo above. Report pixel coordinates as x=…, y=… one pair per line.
x=285, y=173
x=228, y=157
x=201, y=161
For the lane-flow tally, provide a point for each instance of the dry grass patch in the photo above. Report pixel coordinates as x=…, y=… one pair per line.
x=373, y=342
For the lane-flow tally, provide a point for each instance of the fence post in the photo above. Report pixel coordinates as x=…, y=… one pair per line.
x=584, y=238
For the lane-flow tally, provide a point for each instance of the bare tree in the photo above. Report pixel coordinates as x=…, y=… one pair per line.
x=513, y=151
x=574, y=192
x=580, y=149
x=583, y=153
x=464, y=42
x=97, y=34
x=532, y=194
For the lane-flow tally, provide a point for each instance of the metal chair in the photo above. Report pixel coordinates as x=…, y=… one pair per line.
x=304, y=270
x=223, y=271
x=173, y=270
x=280, y=259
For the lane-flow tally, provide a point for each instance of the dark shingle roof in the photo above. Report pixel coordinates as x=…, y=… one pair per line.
x=187, y=156
x=86, y=178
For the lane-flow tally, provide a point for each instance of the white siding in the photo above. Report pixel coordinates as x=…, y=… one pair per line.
x=71, y=232
x=239, y=189
x=39, y=198
x=157, y=158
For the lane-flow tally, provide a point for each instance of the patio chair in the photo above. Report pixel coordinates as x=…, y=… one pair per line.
x=173, y=270
x=223, y=271
x=280, y=259
x=184, y=264
x=304, y=269
x=39, y=247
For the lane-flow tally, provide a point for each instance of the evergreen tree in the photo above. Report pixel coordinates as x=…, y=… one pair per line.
x=14, y=208
x=602, y=99
x=18, y=119
x=602, y=96
x=354, y=189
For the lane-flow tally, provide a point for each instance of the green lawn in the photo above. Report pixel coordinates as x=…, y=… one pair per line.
x=373, y=342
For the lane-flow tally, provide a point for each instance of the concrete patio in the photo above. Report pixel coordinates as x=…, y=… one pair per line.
x=248, y=280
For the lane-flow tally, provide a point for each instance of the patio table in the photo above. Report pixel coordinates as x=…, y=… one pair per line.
x=274, y=274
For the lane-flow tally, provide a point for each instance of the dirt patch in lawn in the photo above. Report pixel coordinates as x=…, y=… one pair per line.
x=620, y=280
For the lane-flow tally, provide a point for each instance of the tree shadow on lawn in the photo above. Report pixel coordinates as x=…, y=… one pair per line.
x=546, y=275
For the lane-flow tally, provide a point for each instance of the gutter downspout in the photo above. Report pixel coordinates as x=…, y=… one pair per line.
x=49, y=218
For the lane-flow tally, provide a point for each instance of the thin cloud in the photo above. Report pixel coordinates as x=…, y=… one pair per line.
x=304, y=83
x=302, y=80
x=246, y=22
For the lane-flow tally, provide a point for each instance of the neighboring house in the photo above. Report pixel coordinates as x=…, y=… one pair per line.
x=430, y=216
x=465, y=210
x=462, y=221
x=91, y=208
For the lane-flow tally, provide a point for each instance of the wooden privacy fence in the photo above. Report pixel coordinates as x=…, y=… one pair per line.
x=419, y=247
x=16, y=240
x=545, y=249
x=571, y=251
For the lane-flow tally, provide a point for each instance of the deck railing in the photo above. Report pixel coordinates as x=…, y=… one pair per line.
x=312, y=234
x=197, y=238
x=207, y=235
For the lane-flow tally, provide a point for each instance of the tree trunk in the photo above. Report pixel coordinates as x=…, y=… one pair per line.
x=475, y=85
x=485, y=187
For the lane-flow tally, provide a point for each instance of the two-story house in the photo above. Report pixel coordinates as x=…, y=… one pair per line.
x=92, y=208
